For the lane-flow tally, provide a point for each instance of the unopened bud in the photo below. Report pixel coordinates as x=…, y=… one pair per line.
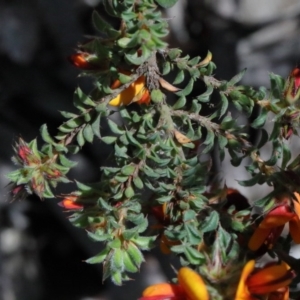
x=38, y=185
x=70, y=203
x=291, y=90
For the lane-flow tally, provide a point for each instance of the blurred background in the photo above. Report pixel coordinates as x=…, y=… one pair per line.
x=41, y=254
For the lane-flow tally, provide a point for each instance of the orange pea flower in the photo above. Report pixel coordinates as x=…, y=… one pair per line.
x=136, y=92
x=69, y=203
x=272, y=225
x=190, y=287
x=271, y=281
x=87, y=61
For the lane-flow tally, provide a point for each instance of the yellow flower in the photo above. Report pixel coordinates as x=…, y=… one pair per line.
x=190, y=287
x=271, y=281
x=136, y=92
x=268, y=231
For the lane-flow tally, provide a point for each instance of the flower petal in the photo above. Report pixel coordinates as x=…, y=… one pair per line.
x=281, y=294
x=294, y=225
x=277, y=217
x=258, y=238
x=242, y=292
x=69, y=203
x=193, y=284
x=126, y=96
x=162, y=291
x=297, y=204
x=270, y=279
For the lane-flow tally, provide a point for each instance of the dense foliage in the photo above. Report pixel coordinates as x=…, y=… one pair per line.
x=157, y=186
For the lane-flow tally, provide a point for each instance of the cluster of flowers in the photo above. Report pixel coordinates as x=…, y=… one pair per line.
x=269, y=282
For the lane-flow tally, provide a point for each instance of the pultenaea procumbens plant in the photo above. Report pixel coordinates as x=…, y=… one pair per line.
x=158, y=167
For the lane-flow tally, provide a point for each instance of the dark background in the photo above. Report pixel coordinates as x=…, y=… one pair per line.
x=41, y=254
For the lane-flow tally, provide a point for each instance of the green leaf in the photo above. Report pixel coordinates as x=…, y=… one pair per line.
x=205, y=97
x=179, y=77
x=222, y=141
x=88, y=133
x=277, y=85
x=263, y=202
x=66, y=162
x=263, y=138
x=116, y=277
x=211, y=222
x=68, y=115
x=166, y=3
x=129, y=192
x=237, y=225
x=294, y=164
x=115, y=244
x=178, y=249
x=252, y=181
x=180, y=103
x=260, y=120
x=275, y=132
x=135, y=254
x=188, y=252
x=99, y=258
x=60, y=148
x=286, y=155
x=45, y=135
x=98, y=237
x=133, y=57
x=73, y=149
x=132, y=139
x=192, y=233
x=224, y=105
x=144, y=35
x=81, y=98
x=166, y=68
x=121, y=179
x=128, y=170
x=138, y=182
x=102, y=26
x=117, y=260
x=96, y=126
x=163, y=199
x=123, y=139
x=109, y=139
x=114, y=127
x=209, y=141
x=235, y=79
x=128, y=234
x=187, y=90
x=126, y=42
x=174, y=53
x=104, y=204
x=157, y=96
x=72, y=123
x=128, y=263
x=144, y=242
x=80, y=138
x=87, y=116
x=124, y=78
x=189, y=215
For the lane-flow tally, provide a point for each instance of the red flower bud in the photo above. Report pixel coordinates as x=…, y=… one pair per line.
x=24, y=152
x=53, y=174
x=87, y=61
x=18, y=192
x=291, y=91
x=70, y=203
